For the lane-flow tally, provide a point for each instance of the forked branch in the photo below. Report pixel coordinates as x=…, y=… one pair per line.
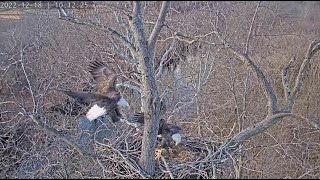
x=268, y=89
x=303, y=72
x=160, y=22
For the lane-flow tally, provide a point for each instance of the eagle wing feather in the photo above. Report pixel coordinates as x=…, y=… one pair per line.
x=104, y=77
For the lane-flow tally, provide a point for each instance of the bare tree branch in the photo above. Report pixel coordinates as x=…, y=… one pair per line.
x=264, y=125
x=188, y=39
x=157, y=28
x=124, y=40
x=313, y=49
x=311, y=120
x=163, y=59
x=66, y=139
x=119, y=36
x=167, y=167
x=27, y=78
x=128, y=85
x=270, y=93
x=285, y=78
x=250, y=30
x=256, y=129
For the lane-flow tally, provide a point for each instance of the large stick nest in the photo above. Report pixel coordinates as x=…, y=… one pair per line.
x=193, y=158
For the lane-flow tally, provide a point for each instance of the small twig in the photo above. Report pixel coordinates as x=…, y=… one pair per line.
x=28, y=81
x=250, y=29
x=66, y=139
x=128, y=85
x=268, y=89
x=167, y=167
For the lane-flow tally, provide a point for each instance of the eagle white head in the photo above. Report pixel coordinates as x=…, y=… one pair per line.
x=177, y=138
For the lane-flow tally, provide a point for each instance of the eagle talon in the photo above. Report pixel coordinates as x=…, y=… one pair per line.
x=158, y=154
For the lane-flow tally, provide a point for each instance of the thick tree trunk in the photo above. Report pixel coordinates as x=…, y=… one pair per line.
x=150, y=96
x=144, y=50
x=150, y=105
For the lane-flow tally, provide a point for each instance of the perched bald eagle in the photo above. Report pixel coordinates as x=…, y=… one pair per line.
x=106, y=99
x=168, y=132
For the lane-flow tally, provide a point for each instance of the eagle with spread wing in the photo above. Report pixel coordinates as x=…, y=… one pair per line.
x=107, y=99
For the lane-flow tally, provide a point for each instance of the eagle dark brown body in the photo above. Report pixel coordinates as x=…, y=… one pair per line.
x=166, y=130
x=106, y=100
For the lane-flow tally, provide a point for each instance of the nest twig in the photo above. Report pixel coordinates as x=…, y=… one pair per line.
x=193, y=158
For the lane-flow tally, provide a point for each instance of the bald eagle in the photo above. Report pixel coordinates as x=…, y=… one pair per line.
x=168, y=132
x=106, y=99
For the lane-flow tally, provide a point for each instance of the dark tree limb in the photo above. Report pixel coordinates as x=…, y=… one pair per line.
x=286, y=77
x=158, y=26
x=303, y=72
x=256, y=128
x=268, y=89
